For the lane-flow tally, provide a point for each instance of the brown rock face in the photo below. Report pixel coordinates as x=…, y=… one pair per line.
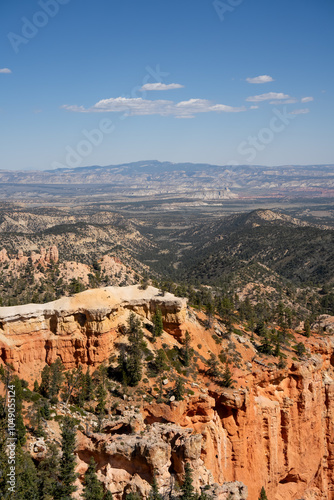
x=80, y=329
x=3, y=255
x=274, y=429
x=53, y=255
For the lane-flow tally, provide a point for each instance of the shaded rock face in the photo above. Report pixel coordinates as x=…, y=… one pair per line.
x=79, y=329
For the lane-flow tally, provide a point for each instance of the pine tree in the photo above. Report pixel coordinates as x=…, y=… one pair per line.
x=210, y=311
x=154, y=494
x=213, y=366
x=307, y=328
x=101, y=399
x=134, y=366
x=67, y=475
x=88, y=386
x=179, y=389
x=19, y=424
x=44, y=388
x=26, y=476
x=160, y=361
x=47, y=473
x=187, y=486
x=56, y=377
x=4, y=466
x=226, y=380
x=158, y=326
x=108, y=495
x=265, y=347
x=93, y=489
x=187, y=351
x=263, y=495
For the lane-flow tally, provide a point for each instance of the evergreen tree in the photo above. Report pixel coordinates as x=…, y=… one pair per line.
x=158, y=326
x=108, y=495
x=4, y=466
x=93, y=489
x=101, y=399
x=205, y=496
x=307, y=328
x=263, y=495
x=133, y=364
x=122, y=366
x=300, y=349
x=26, y=476
x=210, y=311
x=51, y=380
x=160, y=361
x=154, y=494
x=261, y=329
x=187, y=486
x=44, y=388
x=47, y=473
x=67, y=475
x=56, y=378
x=19, y=424
x=213, y=366
x=226, y=380
x=179, y=389
x=265, y=346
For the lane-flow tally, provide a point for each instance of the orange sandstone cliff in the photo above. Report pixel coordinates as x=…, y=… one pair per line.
x=273, y=429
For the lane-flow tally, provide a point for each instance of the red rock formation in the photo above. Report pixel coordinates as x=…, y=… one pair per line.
x=52, y=255
x=80, y=329
x=274, y=429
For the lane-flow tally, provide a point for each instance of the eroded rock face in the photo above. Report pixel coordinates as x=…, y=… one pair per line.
x=274, y=429
x=3, y=255
x=160, y=450
x=79, y=329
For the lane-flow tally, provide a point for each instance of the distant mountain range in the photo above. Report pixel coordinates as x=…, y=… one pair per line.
x=190, y=180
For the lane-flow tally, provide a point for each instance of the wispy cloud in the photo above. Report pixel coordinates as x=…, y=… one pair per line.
x=307, y=99
x=254, y=107
x=260, y=79
x=300, y=111
x=285, y=101
x=267, y=97
x=140, y=107
x=5, y=70
x=161, y=86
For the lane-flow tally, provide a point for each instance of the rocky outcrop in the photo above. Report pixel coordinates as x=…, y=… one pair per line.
x=159, y=450
x=274, y=428
x=79, y=329
x=3, y=255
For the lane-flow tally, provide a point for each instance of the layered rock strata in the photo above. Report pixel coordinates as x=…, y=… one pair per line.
x=79, y=329
x=273, y=429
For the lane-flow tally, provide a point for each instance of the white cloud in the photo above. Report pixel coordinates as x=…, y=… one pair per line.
x=140, y=107
x=5, y=70
x=254, y=107
x=260, y=79
x=307, y=99
x=161, y=86
x=285, y=101
x=267, y=97
x=300, y=111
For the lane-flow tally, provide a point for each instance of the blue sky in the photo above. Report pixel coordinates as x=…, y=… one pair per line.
x=86, y=83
